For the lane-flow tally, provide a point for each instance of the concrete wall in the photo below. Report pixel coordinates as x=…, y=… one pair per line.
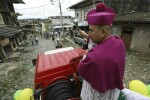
x=82, y=12
x=43, y=27
x=78, y=14
x=4, y=42
x=116, y=29
x=140, y=36
x=1, y=20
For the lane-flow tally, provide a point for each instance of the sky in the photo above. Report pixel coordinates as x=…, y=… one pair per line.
x=44, y=8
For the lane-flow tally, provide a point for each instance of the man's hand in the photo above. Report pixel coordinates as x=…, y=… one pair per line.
x=83, y=34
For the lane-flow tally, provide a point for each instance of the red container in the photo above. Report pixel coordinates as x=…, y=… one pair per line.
x=56, y=65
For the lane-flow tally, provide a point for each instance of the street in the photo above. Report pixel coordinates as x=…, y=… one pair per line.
x=18, y=72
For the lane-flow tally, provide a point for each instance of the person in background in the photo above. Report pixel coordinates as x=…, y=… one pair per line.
x=59, y=33
x=32, y=40
x=36, y=40
x=103, y=67
x=53, y=36
x=58, y=44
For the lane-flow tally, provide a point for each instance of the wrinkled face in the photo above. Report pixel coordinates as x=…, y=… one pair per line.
x=96, y=33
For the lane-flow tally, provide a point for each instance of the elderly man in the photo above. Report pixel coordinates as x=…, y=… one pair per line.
x=103, y=67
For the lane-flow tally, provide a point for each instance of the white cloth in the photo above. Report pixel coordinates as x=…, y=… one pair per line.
x=89, y=93
x=131, y=95
x=90, y=44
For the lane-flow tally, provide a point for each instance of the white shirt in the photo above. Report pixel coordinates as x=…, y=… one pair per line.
x=36, y=38
x=89, y=93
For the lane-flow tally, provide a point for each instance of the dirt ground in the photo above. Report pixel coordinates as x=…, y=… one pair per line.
x=18, y=72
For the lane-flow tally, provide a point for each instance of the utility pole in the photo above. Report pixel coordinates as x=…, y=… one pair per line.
x=62, y=28
x=61, y=17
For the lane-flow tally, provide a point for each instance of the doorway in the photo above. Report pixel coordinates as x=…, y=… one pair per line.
x=126, y=36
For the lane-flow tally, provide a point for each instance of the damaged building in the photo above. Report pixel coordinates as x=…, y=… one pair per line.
x=10, y=35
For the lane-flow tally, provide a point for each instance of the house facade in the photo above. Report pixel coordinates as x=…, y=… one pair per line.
x=131, y=22
x=56, y=23
x=10, y=37
x=81, y=8
x=56, y=20
x=134, y=29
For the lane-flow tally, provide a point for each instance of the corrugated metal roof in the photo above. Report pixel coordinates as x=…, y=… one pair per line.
x=137, y=17
x=7, y=31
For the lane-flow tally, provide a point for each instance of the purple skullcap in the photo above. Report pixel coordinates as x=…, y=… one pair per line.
x=102, y=15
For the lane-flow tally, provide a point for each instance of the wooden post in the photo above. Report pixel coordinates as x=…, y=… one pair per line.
x=2, y=53
x=12, y=47
x=16, y=42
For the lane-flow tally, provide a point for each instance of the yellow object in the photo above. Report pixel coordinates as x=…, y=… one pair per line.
x=17, y=98
x=26, y=93
x=139, y=87
x=17, y=94
x=148, y=87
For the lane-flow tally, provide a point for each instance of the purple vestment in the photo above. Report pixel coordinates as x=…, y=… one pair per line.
x=104, y=65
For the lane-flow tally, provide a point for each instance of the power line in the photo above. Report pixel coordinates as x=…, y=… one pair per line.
x=34, y=7
x=41, y=6
x=37, y=7
x=51, y=11
x=62, y=1
x=55, y=6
